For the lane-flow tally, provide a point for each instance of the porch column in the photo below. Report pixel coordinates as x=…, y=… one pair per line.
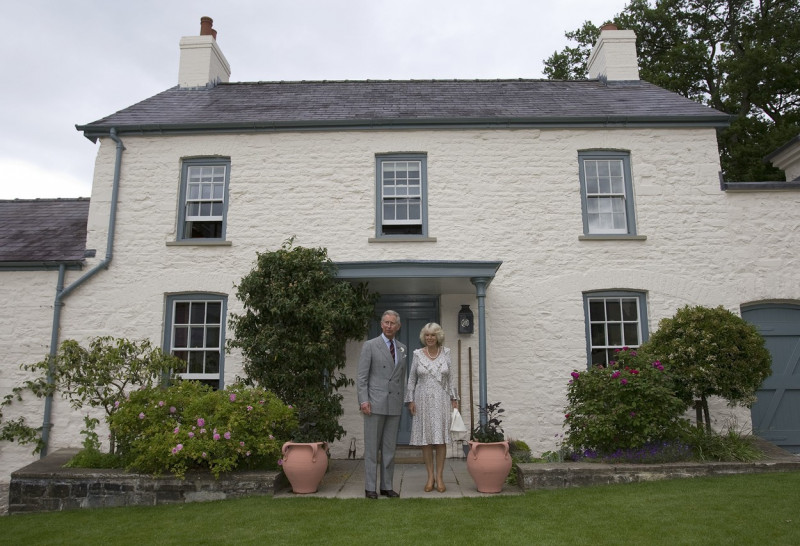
x=480, y=291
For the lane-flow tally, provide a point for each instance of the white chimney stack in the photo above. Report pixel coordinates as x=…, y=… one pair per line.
x=202, y=62
x=614, y=55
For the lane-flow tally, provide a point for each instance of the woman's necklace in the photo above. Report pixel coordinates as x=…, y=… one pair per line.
x=438, y=350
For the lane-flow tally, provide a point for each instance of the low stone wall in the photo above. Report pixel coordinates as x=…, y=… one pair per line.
x=45, y=486
x=533, y=476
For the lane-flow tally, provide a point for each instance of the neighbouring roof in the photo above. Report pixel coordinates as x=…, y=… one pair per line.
x=261, y=106
x=43, y=232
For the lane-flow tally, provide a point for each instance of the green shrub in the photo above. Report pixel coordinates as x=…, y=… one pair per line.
x=188, y=426
x=711, y=352
x=627, y=405
x=729, y=446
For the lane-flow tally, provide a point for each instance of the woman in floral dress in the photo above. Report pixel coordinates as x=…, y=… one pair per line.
x=431, y=394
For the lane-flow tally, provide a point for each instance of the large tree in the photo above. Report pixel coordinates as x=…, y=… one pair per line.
x=739, y=56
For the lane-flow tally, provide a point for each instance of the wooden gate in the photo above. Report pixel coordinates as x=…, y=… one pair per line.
x=776, y=414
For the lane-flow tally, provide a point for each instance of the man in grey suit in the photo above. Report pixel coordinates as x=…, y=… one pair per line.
x=381, y=378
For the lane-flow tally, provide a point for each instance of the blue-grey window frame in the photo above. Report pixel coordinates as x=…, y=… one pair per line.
x=171, y=299
x=201, y=162
x=630, y=209
x=644, y=331
x=409, y=156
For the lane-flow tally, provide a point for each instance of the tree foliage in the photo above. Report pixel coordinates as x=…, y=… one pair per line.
x=741, y=57
x=296, y=322
x=711, y=352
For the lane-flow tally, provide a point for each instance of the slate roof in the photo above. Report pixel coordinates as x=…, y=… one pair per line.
x=363, y=104
x=43, y=232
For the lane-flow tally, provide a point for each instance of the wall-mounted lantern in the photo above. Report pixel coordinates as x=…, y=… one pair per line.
x=466, y=320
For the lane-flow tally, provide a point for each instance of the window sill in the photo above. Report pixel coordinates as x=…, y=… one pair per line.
x=199, y=242
x=612, y=237
x=401, y=239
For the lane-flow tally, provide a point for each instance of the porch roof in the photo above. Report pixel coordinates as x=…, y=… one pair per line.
x=419, y=276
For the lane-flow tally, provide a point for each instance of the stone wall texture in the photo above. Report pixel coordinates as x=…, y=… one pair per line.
x=507, y=195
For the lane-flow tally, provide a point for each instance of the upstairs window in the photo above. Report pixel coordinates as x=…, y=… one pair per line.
x=204, y=191
x=606, y=193
x=401, y=191
x=614, y=320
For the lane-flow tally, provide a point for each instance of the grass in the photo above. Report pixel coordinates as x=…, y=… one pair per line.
x=739, y=509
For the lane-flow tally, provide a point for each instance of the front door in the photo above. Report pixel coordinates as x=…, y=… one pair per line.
x=415, y=312
x=775, y=413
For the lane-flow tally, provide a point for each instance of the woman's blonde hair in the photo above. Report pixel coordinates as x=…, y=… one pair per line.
x=432, y=328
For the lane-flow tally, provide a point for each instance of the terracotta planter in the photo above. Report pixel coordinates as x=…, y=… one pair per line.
x=488, y=464
x=305, y=465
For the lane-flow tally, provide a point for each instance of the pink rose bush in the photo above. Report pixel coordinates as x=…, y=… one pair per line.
x=189, y=426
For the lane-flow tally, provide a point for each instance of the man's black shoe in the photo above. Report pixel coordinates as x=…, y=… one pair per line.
x=371, y=494
x=391, y=493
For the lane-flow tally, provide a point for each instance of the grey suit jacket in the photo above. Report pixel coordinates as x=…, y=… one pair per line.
x=379, y=381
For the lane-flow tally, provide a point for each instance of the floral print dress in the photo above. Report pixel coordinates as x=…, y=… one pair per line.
x=431, y=386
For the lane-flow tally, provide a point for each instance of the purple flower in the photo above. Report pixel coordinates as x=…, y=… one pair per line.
x=575, y=375
x=233, y=397
x=205, y=455
x=615, y=375
x=201, y=422
x=160, y=403
x=172, y=409
x=623, y=381
x=191, y=435
x=141, y=416
x=116, y=404
x=228, y=435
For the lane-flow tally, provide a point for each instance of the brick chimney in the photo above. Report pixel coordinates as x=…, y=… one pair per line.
x=202, y=62
x=614, y=55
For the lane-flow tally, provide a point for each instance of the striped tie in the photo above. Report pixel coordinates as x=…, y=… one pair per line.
x=391, y=350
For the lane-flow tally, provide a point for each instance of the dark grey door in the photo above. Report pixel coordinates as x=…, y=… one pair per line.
x=776, y=413
x=415, y=312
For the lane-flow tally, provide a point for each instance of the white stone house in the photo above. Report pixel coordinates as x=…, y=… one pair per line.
x=571, y=216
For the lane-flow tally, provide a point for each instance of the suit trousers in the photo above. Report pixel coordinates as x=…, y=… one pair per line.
x=380, y=434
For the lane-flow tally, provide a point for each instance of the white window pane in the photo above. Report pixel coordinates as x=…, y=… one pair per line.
x=388, y=211
x=194, y=191
x=205, y=192
x=219, y=191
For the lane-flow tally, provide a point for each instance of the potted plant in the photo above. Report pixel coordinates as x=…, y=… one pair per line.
x=489, y=460
x=297, y=318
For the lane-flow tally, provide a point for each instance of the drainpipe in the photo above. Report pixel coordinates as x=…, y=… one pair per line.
x=480, y=290
x=62, y=292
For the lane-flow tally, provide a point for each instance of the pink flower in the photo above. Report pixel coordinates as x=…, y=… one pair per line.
x=172, y=409
x=241, y=444
x=179, y=447
x=141, y=416
x=160, y=403
x=176, y=431
x=635, y=372
x=228, y=435
x=575, y=375
x=271, y=437
x=615, y=375
x=191, y=435
x=233, y=397
x=260, y=401
x=205, y=455
x=201, y=422
x=202, y=431
x=249, y=408
x=216, y=436
x=623, y=381
x=248, y=453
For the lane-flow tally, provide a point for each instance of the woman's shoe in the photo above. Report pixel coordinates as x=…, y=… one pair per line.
x=441, y=488
x=429, y=487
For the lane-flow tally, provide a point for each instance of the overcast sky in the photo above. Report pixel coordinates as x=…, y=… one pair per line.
x=68, y=62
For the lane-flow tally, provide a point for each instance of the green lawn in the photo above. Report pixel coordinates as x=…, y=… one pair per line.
x=761, y=509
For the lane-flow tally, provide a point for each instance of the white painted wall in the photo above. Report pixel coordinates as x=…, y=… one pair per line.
x=510, y=195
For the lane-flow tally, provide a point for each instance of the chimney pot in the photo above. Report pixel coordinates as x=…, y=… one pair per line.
x=206, y=24
x=609, y=26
